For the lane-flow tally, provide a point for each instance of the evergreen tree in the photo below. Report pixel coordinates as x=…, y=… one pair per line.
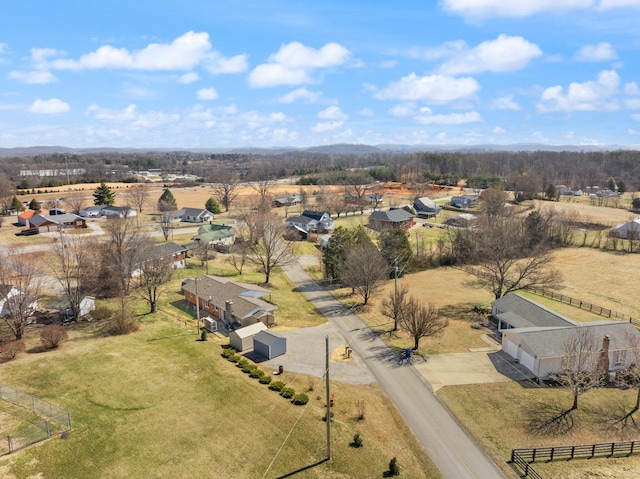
x=167, y=201
x=16, y=204
x=213, y=206
x=34, y=205
x=103, y=195
x=395, y=247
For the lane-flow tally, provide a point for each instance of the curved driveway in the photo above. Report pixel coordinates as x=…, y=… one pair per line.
x=452, y=450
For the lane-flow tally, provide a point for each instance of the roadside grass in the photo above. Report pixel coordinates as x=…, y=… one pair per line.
x=497, y=415
x=159, y=403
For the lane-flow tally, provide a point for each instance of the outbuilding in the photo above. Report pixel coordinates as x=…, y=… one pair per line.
x=242, y=339
x=269, y=344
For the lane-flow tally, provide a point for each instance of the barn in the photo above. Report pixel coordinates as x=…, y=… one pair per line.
x=269, y=344
x=242, y=339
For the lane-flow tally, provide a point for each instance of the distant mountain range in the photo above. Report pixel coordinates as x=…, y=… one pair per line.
x=337, y=149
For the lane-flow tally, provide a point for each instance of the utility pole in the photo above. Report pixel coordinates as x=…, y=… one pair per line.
x=328, y=418
x=197, y=309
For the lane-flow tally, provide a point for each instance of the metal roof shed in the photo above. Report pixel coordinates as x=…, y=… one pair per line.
x=270, y=345
x=242, y=339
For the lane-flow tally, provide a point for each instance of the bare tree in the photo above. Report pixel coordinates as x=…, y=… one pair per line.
x=579, y=369
x=70, y=266
x=123, y=251
x=355, y=189
x=422, y=321
x=21, y=287
x=139, y=196
x=6, y=194
x=225, y=187
x=364, y=270
x=631, y=376
x=75, y=202
x=268, y=248
x=155, y=271
x=166, y=225
x=263, y=182
x=507, y=262
x=394, y=305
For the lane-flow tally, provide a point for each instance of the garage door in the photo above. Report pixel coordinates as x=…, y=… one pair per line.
x=527, y=360
x=511, y=348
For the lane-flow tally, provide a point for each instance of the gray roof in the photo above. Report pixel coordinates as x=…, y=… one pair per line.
x=245, y=297
x=267, y=337
x=522, y=312
x=425, y=204
x=549, y=342
x=391, y=215
x=37, y=220
x=196, y=212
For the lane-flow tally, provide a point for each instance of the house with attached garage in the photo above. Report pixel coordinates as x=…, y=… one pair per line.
x=46, y=224
x=187, y=215
x=235, y=304
x=311, y=222
x=425, y=207
x=394, y=218
x=287, y=200
x=535, y=336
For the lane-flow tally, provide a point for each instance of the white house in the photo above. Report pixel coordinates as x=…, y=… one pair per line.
x=188, y=215
x=630, y=230
x=311, y=221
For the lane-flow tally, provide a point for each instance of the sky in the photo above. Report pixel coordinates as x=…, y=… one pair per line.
x=270, y=73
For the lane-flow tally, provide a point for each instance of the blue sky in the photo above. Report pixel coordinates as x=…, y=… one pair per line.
x=231, y=73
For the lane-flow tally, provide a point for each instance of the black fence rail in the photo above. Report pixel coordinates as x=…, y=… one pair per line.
x=522, y=458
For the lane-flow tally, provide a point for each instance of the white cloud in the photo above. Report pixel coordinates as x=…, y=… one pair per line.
x=131, y=115
x=498, y=130
x=127, y=114
x=582, y=96
x=633, y=132
x=34, y=77
x=294, y=63
x=612, y=4
x=603, y=51
x=184, y=53
x=504, y=54
x=53, y=106
x=632, y=89
x=207, y=94
x=3, y=48
x=333, y=113
x=426, y=117
x=303, y=94
x=403, y=109
x=636, y=116
x=516, y=8
x=366, y=112
x=433, y=89
x=505, y=103
x=189, y=78
x=632, y=103
x=326, y=126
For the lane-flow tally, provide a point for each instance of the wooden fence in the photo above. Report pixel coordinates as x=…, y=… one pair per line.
x=523, y=458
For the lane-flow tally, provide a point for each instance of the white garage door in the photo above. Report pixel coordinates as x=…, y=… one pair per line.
x=527, y=360
x=511, y=348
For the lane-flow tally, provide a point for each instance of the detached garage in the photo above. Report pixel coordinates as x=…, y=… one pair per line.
x=242, y=339
x=269, y=345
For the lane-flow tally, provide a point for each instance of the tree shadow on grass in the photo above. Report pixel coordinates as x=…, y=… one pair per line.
x=549, y=419
x=620, y=418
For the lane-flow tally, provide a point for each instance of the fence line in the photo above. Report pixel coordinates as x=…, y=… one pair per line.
x=56, y=420
x=523, y=458
x=568, y=300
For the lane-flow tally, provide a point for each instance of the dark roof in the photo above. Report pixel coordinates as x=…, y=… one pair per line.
x=170, y=248
x=300, y=219
x=522, y=312
x=314, y=215
x=196, y=212
x=394, y=216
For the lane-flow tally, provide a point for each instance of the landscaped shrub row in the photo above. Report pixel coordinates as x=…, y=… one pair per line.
x=256, y=373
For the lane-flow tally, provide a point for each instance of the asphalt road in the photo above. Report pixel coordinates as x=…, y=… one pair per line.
x=453, y=451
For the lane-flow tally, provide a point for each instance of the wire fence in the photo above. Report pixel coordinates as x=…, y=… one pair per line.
x=55, y=420
x=578, y=303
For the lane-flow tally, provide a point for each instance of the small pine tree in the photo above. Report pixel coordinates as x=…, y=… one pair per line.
x=34, y=205
x=357, y=440
x=16, y=204
x=213, y=206
x=167, y=201
x=203, y=335
x=103, y=195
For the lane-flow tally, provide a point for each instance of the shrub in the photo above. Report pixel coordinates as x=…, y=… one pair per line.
x=394, y=469
x=53, y=335
x=228, y=352
x=101, y=312
x=287, y=392
x=242, y=362
x=122, y=323
x=256, y=373
x=10, y=349
x=234, y=358
x=264, y=379
x=357, y=440
x=203, y=335
x=300, y=399
x=277, y=385
x=249, y=368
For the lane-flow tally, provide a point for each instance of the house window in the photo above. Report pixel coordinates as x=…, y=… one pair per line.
x=619, y=357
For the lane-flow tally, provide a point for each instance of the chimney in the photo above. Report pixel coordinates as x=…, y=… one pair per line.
x=228, y=310
x=605, y=343
x=603, y=361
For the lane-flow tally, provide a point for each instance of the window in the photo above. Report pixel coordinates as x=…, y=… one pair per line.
x=619, y=357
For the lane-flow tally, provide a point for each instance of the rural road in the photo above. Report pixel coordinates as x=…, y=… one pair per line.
x=453, y=451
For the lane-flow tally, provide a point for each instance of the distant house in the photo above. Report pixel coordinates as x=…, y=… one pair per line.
x=23, y=218
x=57, y=211
x=113, y=211
x=464, y=202
x=10, y=295
x=46, y=224
x=395, y=218
x=216, y=234
x=535, y=336
x=311, y=222
x=188, y=215
x=63, y=307
x=93, y=211
x=171, y=250
x=425, y=207
x=630, y=230
x=465, y=220
x=371, y=200
x=232, y=302
x=287, y=200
